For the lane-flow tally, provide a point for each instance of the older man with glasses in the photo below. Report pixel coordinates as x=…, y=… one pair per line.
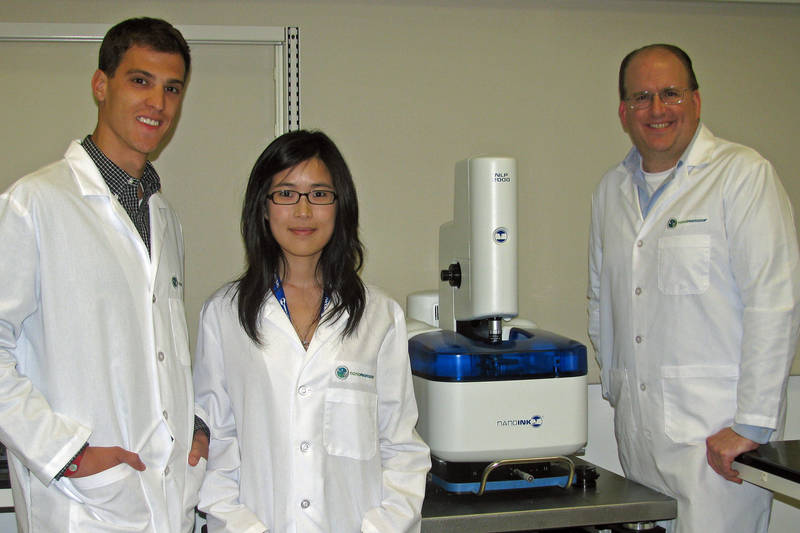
x=694, y=283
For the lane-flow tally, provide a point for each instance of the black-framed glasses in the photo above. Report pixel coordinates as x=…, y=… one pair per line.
x=290, y=197
x=668, y=96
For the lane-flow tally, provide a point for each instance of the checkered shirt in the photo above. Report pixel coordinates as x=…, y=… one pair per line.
x=126, y=188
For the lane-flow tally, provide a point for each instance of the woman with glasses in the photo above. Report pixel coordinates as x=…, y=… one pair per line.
x=301, y=371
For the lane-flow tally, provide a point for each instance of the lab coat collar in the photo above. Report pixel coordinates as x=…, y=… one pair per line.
x=158, y=228
x=698, y=153
x=273, y=312
x=90, y=182
x=629, y=166
x=701, y=148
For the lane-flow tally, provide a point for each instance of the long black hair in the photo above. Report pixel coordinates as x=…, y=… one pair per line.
x=342, y=257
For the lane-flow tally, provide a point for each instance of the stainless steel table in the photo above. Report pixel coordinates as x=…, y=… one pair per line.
x=614, y=500
x=774, y=466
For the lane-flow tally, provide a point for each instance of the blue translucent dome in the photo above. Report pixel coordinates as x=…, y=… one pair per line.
x=527, y=354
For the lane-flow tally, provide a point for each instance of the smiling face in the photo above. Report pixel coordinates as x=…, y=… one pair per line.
x=137, y=105
x=302, y=230
x=660, y=132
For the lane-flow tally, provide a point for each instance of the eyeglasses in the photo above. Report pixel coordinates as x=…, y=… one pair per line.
x=290, y=197
x=668, y=96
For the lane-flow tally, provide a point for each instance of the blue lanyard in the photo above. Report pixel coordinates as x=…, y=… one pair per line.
x=277, y=290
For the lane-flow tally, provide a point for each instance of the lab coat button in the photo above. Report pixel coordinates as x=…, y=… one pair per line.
x=639, y=244
x=154, y=298
x=643, y=387
x=305, y=446
x=303, y=390
x=638, y=291
x=638, y=339
x=305, y=504
x=160, y=356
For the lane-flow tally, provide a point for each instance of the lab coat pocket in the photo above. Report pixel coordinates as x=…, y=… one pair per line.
x=684, y=263
x=699, y=400
x=112, y=497
x=180, y=333
x=350, y=423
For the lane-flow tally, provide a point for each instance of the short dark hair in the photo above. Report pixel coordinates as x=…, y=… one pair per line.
x=682, y=56
x=341, y=258
x=153, y=33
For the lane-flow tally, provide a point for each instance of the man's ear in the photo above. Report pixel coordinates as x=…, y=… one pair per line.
x=623, y=113
x=99, y=84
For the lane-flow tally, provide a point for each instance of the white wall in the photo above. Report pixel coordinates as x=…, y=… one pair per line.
x=408, y=87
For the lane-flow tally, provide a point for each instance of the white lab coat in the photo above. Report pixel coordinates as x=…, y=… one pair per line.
x=695, y=325
x=316, y=441
x=93, y=346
